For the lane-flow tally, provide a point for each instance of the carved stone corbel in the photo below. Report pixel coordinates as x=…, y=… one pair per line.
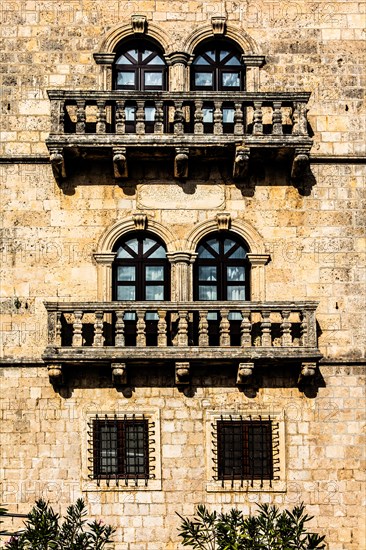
x=182, y=373
x=245, y=374
x=181, y=163
x=241, y=162
x=55, y=374
x=140, y=221
x=307, y=374
x=58, y=164
x=300, y=163
x=218, y=23
x=138, y=23
x=119, y=374
x=223, y=221
x=120, y=162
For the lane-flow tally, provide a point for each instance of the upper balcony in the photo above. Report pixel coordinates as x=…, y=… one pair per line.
x=121, y=125
x=184, y=333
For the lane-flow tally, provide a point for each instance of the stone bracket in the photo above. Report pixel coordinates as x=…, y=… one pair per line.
x=140, y=221
x=307, y=374
x=58, y=164
x=182, y=373
x=245, y=374
x=223, y=220
x=120, y=162
x=218, y=25
x=181, y=163
x=241, y=162
x=138, y=23
x=300, y=164
x=119, y=374
x=55, y=374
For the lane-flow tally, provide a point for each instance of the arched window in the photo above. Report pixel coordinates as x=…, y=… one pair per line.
x=140, y=269
x=217, y=66
x=140, y=66
x=221, y=268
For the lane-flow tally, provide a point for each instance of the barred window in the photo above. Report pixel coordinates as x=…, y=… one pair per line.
x=120, y=448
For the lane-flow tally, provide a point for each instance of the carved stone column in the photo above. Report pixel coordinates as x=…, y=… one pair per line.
x=253, y=63
x=104, y=275
x=181, y=275
x=258, y=284
x=106, y=61
x=177, y=66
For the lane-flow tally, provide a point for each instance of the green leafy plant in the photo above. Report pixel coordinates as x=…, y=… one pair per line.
x=44, y=532
x=269, y=530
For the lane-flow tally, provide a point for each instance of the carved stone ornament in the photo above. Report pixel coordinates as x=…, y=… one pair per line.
x=223, y=221
x=218, y=25
x=55, y=374
x=245, y=374
x=119, y=374
x=140, y=221
x=241, y=162
x=120, y=162
x=138, y=23
x=307, y=375
x=300, y=163
x=58, y=164
x=181, y=163
x=182, y=373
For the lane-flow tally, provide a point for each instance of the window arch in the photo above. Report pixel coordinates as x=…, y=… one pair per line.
x=221, y=270
x=140, y=270
x=140, y=65
x=217, y=66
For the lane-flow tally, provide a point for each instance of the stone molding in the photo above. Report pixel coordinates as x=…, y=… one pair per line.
x=242, y=38
x=121, y=32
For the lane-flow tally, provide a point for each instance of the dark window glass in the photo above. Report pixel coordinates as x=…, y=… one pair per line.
x=140, y=66
x=244, y=449
x=120, y=449
x=218, y=68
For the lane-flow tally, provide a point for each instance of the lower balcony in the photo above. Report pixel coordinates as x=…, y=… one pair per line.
x=122, y=334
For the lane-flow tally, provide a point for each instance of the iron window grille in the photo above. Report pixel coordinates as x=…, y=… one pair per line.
x=246, y=450
x=121, y=449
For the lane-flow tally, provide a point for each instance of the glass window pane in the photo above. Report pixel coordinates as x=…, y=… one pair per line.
x=239, y=254
x=154, y=273
x=207, y=273
x=126, y=78
x=122, y=253
x=223, y=54
x=126, y=292
x=150, y=114
x=145, y=54
x=158, y=253
x=153, y=79
x=155, y=292
x=130, y=114
x=230, y=79
x=213, y=243
x=133, y=54
x=207, y=114
x=228, y=244
x=236, y=273
x=236, y=292
x=228, y=115
x=233, y=61
x=204, y=253
x=211, y=54
x=123, y=60
x=157, y=60
x=203, y=79
x=207, y=292
x=201, y=61
x=126, y=273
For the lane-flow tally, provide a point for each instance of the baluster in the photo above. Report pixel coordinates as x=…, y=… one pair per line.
x=120, y=117
x=98, y=329
x=246, y=329
x=303, y=329
x=119, y=329
x=238, y=119
x=182, y=336
x=218, y=129
x=299, y=116
x=277, y=118
x=81, y=116
x=224, y=328
x=101, y=125
x=140, y=329
x=77, y=337
x=159, y=118
x=162, y=326
x=140, y=117
x=198, y=117
x=178, y=118
x=257, y=118
x=203, y=328
x=266, y=329
x=286, y=338
x=58, y=329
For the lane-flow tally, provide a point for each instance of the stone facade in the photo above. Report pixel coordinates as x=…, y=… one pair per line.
x=306, y=236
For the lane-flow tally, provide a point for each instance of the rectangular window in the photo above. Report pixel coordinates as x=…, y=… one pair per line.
x=244, y=450
x=120, y=448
